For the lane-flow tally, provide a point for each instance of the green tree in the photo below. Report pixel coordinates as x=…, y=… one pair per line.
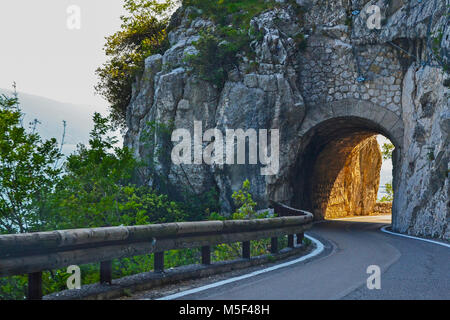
x=143, y=33
x=93, y=179
x=28, y=171
x=387, y=150
x=389, y=193
x=99, y=187
x=217, y=54
x=243, y=199
x=246, y=210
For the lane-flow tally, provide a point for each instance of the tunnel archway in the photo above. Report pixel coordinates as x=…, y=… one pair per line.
x=328, y=141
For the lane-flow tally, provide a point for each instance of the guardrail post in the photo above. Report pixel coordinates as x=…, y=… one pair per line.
x=291, y=241
x=246, y=249
x=106, y=272
x=159, y=262
x=35, y=286
x=300, y=238
x=274, y=245
x=206, y=255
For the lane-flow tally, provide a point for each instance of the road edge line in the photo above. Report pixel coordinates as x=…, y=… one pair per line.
x=383, y=229
x=318, y=250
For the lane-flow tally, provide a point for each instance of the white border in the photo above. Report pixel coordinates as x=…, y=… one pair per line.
x=319, y=248
x=383, y=229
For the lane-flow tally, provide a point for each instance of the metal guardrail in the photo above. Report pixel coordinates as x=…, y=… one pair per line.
x=283, y=210
x=32, y=253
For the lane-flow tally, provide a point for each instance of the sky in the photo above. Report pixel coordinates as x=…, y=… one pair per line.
x=45, y=57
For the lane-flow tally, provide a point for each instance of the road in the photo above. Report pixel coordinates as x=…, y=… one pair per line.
x=410, y=269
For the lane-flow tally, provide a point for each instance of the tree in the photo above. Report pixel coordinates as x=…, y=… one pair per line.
x=389, y=193
x=28, y=171
x=243, y=199
x=99, y=187
x=143, y=33
x=387, y=150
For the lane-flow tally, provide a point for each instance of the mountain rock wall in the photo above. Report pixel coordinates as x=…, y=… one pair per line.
x=356, y=187
x=348, y=84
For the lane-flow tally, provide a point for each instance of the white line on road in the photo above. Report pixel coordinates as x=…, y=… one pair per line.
x=412, y=237
x=319, y=248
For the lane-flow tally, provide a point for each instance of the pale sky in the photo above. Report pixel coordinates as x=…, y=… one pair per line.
x=45, y=57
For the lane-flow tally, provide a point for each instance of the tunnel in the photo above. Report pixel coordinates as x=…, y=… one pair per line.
x=327, y=148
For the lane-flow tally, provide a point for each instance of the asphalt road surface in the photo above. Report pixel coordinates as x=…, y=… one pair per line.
x=410, y=269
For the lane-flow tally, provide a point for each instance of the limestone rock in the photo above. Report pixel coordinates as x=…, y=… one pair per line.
x=355, y=189
x=382, y=208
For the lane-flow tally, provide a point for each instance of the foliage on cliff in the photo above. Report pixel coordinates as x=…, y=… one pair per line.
x=143, y=33
x=220, y=49
x=217, y=54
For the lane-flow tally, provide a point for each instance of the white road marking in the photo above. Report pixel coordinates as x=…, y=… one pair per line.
x=383, y=229
x=367, y=218
x=319, y=248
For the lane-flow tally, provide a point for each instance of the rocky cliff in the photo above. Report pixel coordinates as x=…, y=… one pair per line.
x=382, y=208
x=356, y=186
x=346, y=84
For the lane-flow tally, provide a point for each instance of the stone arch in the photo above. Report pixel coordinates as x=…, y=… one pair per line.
x=329, y=134
x=387, y=122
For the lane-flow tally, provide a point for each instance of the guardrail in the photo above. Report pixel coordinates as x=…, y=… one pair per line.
x=32, y=253
x=283, y=210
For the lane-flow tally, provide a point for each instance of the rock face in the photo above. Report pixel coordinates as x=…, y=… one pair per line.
x=356, y=187
x=382, y=208
x=347, y=85
x=423, y=185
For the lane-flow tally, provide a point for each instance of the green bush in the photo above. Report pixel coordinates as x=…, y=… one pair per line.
x=243, y=199
x=214, y=59
x=225, y=12
x=219, y=49
x=245, y=210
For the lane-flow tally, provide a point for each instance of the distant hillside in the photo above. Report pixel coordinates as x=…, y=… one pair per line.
x=51, y=114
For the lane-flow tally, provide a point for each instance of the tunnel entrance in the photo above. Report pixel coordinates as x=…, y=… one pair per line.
x=338, y=171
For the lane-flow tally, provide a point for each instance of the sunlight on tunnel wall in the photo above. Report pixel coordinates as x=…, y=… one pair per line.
x=355, y=189
x=350, y=184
